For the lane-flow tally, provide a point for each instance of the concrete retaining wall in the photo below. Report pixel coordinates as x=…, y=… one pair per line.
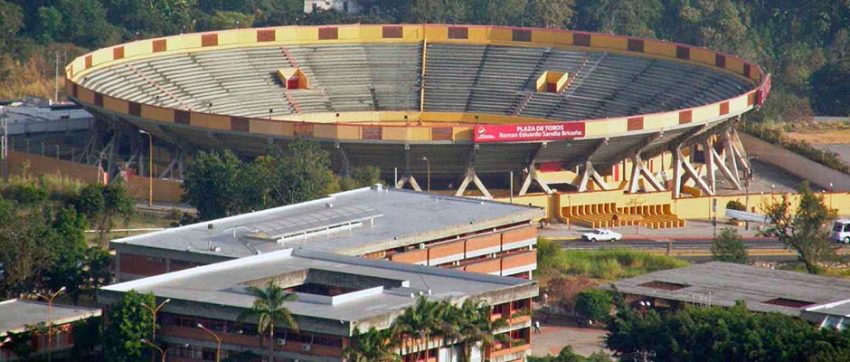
x=795, y=164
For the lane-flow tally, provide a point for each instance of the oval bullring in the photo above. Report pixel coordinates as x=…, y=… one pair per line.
x=476, y=102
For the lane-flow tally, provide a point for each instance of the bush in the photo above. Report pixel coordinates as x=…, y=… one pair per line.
x=607, y=264
x=736, y=205
x=594, y=304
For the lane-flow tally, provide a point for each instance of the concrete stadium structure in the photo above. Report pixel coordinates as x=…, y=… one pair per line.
x=464, y=105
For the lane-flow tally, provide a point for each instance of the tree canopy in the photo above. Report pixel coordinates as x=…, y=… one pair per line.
x=722, y=334
x=804, y=229
x=220, y=184
x=729, y=247
x=42, y=235
x=128, y=322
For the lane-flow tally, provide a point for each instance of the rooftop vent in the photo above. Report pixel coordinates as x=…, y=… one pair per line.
x=786, y=302
x=657, y=284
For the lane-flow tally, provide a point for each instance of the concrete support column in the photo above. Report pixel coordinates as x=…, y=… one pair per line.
x=589, y=174
x=471, y=177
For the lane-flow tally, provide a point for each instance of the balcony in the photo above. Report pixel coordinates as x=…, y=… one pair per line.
x=501, y=349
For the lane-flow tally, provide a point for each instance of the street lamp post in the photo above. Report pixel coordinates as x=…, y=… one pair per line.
x=49, y=297
x=830, y=195
x=161, y=351
x=217, y=341
x=428, y=167
x=150, y=166
x=154, y=310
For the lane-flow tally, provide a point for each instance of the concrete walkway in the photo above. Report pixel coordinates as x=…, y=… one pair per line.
x=553, y=338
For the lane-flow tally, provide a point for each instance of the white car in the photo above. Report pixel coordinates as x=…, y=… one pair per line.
x=602, y=235
x=841, y=231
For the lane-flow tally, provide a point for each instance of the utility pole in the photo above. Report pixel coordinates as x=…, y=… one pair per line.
x=56, y=79
x=512, y=186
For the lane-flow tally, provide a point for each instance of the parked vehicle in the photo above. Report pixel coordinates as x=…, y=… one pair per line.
x=841, y=231
x=602, y=235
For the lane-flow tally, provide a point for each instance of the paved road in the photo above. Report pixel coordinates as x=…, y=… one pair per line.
x=698, y=244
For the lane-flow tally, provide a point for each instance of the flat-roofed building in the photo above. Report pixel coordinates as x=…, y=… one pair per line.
x=19, y=316
x=375, y=223
x=336, y=294
x=724, y=284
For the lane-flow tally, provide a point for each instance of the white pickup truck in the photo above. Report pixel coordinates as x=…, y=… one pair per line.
x=602, y=235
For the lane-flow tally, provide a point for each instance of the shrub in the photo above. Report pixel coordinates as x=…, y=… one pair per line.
x=736, y=205
x=594, y=304
x=607, y=264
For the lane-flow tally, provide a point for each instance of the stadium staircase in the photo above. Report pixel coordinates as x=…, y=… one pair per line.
x=609, y=215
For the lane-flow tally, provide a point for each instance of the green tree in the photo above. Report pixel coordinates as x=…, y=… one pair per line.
x=804, y=229
x=87, y=336
x=729, y=247
x=498, y=12
x=831, y=87
x=67, y=246
x=50, y=24
x=626, y=17
x=20, y=344
x=128, y=322
x=417, y=323
x=553, y=13
x=594, y=304
x=229, y=20
x=301, y=172
x=11, y=22
x=23, y=254
x=439, y=11
x=84, y=23
x=568, y=355
x=212, y=184
x=476, y=326
x=103, y=206
x=720, y=334
x=270, y=312
x=373, y=345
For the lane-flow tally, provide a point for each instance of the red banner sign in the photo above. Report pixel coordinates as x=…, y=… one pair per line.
x=528, y=132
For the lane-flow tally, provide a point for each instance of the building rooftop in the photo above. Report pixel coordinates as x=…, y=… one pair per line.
x=722, y=284
x=354, y=222
x=829, y=315
x=16, y=315
x=335, y=290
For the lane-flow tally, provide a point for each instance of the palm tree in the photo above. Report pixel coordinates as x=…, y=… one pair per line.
x=476, y=326
x=374, y=345
x=270, y=312
x=450, y=325
x=419, y=321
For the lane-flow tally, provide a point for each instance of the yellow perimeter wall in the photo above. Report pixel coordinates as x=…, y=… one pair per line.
x=685, y=208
